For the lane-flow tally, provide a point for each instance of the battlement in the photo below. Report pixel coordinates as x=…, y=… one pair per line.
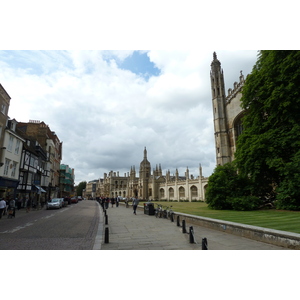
x=237, y=87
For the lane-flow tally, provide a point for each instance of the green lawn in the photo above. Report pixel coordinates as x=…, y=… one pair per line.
x=268, y=218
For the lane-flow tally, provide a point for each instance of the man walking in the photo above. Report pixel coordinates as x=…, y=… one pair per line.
x=135, y=203
x=2, y=207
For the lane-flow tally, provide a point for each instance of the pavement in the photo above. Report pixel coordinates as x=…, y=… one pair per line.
x=127, y=231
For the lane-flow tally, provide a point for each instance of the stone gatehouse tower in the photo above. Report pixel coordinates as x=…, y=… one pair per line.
x=227, y=113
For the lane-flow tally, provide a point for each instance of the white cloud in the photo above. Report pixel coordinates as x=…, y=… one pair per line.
x=106, y=116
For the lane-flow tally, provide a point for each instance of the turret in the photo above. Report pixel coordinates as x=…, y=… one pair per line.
x=219, y=112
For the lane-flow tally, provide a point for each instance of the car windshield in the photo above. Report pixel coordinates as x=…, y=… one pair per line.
x=54, y=200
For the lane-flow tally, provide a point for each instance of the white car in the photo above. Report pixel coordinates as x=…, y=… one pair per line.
x=54, y=203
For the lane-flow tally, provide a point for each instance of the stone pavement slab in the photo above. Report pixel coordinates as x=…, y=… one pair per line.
x=143, y=232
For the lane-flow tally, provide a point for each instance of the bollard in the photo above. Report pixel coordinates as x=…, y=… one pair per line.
x=106, y=236
x=172, y=217
x=106, y=220
x=183, y=226
x=192, y=240
x=178, y=221
x=204, y=244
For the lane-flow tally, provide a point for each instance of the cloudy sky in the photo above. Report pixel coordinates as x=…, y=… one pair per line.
x=106, y=106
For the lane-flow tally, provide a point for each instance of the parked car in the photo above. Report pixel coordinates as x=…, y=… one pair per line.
x=74, y=200
x=54, y=203
x=79, y=198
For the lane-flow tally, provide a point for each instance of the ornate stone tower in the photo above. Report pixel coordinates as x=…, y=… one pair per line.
x=145, y=172
x=223, y=153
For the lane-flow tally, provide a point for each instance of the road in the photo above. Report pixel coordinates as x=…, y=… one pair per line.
x=70, y=228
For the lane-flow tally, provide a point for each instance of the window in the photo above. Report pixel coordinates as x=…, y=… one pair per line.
x=14, y=168
x=6, y=167
x=17, y=147
x=181, y=192
x=3, y=109
x=194, y=191
x=10, y=143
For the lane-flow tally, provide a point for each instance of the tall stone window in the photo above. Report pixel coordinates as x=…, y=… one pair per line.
x=194, y=191
x=171, y=192
x=181, y=192
x=161, y=194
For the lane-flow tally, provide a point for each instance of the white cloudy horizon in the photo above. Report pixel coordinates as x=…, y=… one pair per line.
x=106, y=106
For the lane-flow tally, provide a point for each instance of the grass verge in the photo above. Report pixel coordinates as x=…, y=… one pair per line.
x=267, y=218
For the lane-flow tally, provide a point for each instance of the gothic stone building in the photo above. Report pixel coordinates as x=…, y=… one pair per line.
x=227, y=113
x=154, y=186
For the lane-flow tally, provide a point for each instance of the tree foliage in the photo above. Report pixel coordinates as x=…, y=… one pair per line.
x=81, y=186
x=268, y=150
x=229, y=190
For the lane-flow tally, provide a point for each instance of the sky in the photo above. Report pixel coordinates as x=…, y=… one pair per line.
x=107, y=106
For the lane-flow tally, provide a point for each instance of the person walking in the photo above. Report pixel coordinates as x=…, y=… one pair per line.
x=12, y=207
x=2, y=207
x=135, y=203
x=28, y=205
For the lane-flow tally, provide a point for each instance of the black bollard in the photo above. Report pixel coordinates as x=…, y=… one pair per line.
x=204, y=244
x=178, y=221
x=106, y=236
x=106, y=220
x=183, y=226
x=172, y=217
x=192, y=240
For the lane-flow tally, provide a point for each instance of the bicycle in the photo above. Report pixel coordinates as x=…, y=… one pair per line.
x=158, y=211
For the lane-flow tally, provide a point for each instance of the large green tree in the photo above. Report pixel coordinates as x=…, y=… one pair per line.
x=81, y=186
x=268, y=150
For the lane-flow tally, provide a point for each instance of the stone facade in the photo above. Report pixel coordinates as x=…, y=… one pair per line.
x=152, y=186
x=227, y=113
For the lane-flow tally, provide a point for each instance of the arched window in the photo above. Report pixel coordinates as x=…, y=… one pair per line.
x=194, y=191
x=181, y=192
x=161, y=194
x=171, y=192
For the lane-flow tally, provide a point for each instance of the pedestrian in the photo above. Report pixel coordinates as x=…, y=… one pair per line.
x=106, y=203
x=112, y=202
x=12, y=208
x=28, y=206
x=2, y=207
x=117, y=202
x=135, y=203
x=19, y=203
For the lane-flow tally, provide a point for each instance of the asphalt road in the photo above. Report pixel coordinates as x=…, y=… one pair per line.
x=70, y=228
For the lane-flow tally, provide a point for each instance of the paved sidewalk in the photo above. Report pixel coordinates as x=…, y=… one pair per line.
x=143, y=232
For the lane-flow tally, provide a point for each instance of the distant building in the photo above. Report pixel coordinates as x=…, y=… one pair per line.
x=155, y=185
x=66, y=181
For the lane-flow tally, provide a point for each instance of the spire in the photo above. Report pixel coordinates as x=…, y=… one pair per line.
x=145, y=153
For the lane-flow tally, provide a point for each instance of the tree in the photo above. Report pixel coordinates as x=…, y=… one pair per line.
x=268, y=150
x=81, y=186
x=227, y=189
